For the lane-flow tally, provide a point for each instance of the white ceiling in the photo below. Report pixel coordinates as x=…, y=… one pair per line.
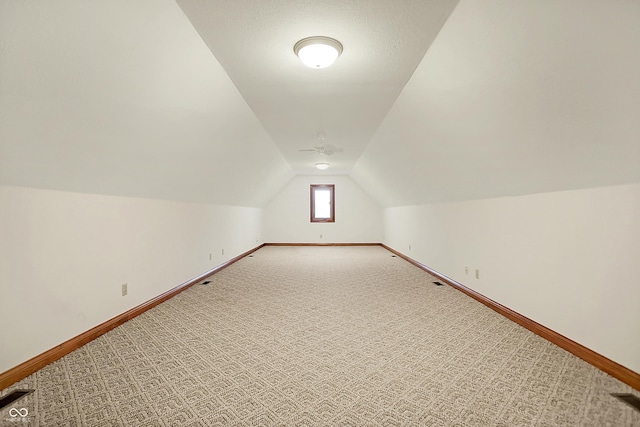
x=205, y=101
x=384, y=41
x=512, y=98
x=123, y=97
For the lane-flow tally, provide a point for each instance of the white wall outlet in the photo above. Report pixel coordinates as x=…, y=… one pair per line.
x=223, y=252
x=321, y=236
x=466, y=270
x=409, y=247
x=125, y=291
x=477, y=273
x=210, y=256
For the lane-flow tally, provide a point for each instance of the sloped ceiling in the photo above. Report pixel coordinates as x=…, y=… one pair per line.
x=384, y=41
x=204, y=100
x=512, y=98
x=123, y=97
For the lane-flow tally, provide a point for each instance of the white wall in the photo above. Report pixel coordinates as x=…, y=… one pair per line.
x=64, y=257
x=287, y=216
x=568, y=260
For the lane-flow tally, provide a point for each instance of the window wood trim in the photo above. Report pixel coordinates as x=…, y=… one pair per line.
x=331, y=188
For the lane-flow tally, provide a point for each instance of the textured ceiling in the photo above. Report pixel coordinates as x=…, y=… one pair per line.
x=384, y=41
x=431, y=100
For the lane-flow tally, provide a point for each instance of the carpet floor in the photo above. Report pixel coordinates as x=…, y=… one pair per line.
x=321, y=336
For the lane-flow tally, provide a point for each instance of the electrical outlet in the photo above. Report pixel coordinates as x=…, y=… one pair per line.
x=210, y=256
x=466, y=270
x=321, y=236
x=125, y=291
x=223, y=252
x=477, y=273
x=409, y=247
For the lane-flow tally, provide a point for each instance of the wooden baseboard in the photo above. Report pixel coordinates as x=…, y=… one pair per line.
x=27, y=368
x=601, y=362
x=322, y=244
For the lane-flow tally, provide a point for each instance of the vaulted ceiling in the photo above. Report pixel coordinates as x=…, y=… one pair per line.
x=204, y=100
x=512, y=98
x=384, y=41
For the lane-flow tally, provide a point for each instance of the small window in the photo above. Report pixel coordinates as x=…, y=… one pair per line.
x=323, y=208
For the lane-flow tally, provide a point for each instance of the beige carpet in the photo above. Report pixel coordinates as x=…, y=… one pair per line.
x=335, y=336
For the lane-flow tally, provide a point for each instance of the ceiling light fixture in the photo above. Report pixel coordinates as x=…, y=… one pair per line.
x=318, y=51
x=322, y=166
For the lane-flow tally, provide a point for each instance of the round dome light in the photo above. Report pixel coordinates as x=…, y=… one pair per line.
x=318, y=51
x=322, y=166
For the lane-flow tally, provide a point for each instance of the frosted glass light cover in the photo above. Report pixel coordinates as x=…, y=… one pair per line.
x=318, y=55
x=318, y=52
